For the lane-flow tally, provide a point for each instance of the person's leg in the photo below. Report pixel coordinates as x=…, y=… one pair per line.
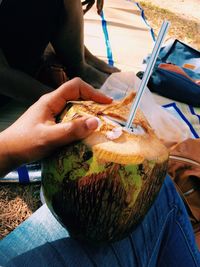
x=163, y=238
x=68, y=43
x=26, y=28
x=3, y=64
x=98, y=63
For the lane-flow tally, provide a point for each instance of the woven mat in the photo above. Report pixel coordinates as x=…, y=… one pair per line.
x=17, y=203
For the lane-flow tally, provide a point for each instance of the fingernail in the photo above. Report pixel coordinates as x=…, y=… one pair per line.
x=92, y=123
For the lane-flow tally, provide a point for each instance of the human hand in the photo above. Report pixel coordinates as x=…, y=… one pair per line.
x=90, y=3
x=36, y=134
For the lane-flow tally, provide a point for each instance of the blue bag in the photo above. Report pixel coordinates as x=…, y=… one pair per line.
x=176, y=74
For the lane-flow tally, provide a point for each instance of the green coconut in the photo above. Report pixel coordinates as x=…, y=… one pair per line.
x=100, y=188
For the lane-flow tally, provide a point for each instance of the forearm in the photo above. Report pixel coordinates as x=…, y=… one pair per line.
x=20, y=86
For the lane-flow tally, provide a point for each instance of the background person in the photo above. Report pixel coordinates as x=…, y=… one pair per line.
x=31, y=31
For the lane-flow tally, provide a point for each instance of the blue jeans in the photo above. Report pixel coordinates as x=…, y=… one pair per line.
x=164, y=238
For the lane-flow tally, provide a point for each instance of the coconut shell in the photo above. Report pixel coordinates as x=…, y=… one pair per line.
x=100, y=188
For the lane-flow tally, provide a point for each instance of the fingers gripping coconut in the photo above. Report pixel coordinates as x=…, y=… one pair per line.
x=100, y=188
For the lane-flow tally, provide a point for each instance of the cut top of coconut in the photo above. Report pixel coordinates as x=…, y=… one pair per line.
x=113, y=142
x=117, y=111
x=127, y=148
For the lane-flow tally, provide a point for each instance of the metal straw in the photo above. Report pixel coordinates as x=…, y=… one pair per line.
x=147, y=73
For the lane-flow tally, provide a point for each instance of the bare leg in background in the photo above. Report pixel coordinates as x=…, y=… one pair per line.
x=69, y=46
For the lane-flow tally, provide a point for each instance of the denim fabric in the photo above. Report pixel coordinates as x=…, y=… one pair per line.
x=164, y=238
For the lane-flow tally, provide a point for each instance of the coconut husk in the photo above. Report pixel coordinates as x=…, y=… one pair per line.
x=17, y=203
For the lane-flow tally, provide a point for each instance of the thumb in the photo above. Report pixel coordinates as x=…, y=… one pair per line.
x=65, y=133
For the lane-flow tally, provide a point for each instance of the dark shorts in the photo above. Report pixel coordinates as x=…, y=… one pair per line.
x=26, y=27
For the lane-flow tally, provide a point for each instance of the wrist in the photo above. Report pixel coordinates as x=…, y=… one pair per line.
x=7, y=162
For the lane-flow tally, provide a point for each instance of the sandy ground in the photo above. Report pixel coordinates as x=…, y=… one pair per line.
x=186, y=8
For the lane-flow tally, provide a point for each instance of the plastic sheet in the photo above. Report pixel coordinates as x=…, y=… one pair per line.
x=167, y=127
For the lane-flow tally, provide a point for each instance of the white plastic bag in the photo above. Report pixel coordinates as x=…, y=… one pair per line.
x=167, y=127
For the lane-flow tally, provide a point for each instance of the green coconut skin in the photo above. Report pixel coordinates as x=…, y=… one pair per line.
x=97, y=201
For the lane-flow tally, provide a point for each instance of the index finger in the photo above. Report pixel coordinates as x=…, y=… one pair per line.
x=73, y=90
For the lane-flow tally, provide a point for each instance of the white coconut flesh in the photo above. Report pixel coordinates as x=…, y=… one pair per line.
x=111, y=142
